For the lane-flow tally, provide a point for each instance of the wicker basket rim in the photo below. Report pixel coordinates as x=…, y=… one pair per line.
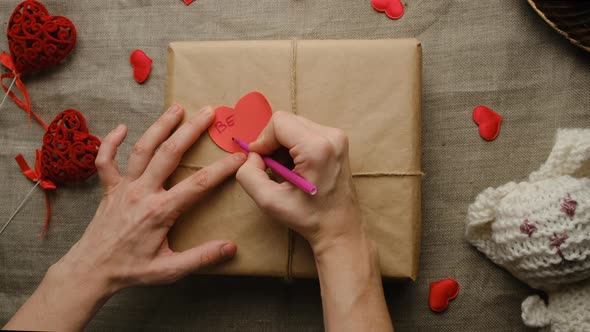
x=554, y=26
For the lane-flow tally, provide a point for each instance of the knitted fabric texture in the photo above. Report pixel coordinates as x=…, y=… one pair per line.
x=567, y=309
x=539, y=230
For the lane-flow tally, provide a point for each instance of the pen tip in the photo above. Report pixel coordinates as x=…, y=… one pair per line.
x=233, y=139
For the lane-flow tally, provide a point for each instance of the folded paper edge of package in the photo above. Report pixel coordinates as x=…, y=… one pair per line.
x=409, y=84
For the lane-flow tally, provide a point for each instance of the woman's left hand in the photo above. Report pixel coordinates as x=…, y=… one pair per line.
x=125, y=244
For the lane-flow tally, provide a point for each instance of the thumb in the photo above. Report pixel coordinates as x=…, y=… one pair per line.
x=253, y=178
x=173, y=267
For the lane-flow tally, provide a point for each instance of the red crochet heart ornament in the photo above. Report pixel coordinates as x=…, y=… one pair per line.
x=67, y=155
x=38, y=40
x=441, y=292
x=251, y=114
x=489, y=122
x=69, y=150
x=394, y=9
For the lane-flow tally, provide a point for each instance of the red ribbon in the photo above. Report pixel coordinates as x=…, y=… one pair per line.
x=37, y=176
x=7, y=61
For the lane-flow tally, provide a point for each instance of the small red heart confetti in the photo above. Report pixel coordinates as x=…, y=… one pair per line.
x=441, y=292
x=142, y=65
x=394, y=9
x=489, y=122
x=188, y=2
x=251, y=114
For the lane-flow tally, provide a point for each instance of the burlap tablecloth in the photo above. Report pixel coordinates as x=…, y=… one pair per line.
x=497, y=53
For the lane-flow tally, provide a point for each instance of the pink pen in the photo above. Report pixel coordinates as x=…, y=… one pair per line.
x=283, y=171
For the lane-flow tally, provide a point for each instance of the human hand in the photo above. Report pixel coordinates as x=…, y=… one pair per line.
x=346, y=259
x=125, y=244
x=321, y=156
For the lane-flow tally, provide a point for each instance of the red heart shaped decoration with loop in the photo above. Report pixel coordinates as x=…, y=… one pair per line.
x=69, y=150
x=38, y=40
x=251, y=114
x=67, y=155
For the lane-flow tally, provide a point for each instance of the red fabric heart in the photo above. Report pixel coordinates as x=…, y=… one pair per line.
x=37, y=40
x=68, y=151
x=188, y=2
x=67, y=155
x=251, y=114
x=441, y=292
x=394, y=9
x=489, y=122
x=142, y=65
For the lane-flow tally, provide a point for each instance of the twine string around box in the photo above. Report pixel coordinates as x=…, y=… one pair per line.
x=294, y=110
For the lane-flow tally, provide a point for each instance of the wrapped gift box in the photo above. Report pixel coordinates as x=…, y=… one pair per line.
x=369, y=88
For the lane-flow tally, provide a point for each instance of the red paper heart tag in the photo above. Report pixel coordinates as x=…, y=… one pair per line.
x=142, y=65
x=68, y=151
x=245, y=122
x=441, y=292
x=37, y=40
x=394, y=9
x=489, y=122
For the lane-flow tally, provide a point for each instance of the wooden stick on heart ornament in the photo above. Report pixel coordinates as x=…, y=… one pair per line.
x=37, y=41
x=67, y=156
x=234, y=127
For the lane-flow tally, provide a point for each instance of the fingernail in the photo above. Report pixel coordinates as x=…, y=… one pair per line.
x=227, y=249
x=260, y=137
x=174, y=109
x=206, y=111
x=239, y=156
x=120, y=128
x=254, y=144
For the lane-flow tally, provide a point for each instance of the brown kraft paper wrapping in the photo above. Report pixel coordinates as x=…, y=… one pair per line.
x=369, y=88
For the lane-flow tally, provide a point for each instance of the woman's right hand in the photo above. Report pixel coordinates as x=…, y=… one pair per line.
x=321, y=156
x=346, y=259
